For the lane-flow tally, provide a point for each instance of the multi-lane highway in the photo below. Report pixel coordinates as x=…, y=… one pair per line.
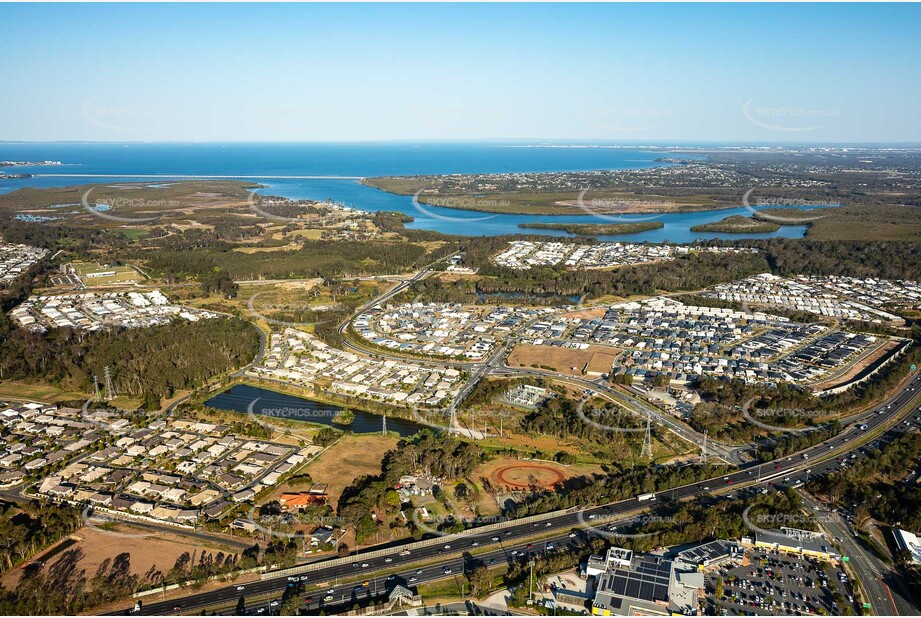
x=498, y=545
x=876, y=576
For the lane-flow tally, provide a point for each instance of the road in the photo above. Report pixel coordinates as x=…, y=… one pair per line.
x=882, y=584
x=495, y=365
x=727, y=452
x=818, y=459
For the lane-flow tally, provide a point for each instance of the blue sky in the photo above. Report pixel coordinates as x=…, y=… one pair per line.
x=214, y=72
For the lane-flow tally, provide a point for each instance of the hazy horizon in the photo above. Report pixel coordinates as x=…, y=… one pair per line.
x=753, y=73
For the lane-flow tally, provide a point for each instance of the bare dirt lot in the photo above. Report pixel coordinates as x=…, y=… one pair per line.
x=147, y=548
x=518, y=474
x=351, y=457
x=561, y=360
x=858, y=367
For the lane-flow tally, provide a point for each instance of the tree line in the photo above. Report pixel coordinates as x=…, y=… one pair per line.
x=158, y=361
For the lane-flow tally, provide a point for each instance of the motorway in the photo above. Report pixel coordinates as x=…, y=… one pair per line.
x=883, y=586
x=493, y=366
x=818, y=459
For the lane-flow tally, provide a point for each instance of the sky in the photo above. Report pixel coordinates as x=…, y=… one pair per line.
x=806, y=73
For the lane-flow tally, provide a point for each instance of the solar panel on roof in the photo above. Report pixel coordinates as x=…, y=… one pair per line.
x=633, y=589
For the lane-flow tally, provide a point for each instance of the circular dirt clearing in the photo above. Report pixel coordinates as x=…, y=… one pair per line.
x=528, y=475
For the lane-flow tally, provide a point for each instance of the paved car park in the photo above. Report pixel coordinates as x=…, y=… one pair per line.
x=773, y=583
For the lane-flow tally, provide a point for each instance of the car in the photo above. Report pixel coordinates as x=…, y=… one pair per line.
x=495, y=539
x=412, y=579
x=391, y=577
x=328, y=598
x=365, y=584
x=261, y=610
x=274, y=603
x=331, y=591
x=418, y=571
x=405, y=552
x=308, y=600
x=447, y=570
x=241, y=588
x=176, y=608
x=388, y=559
x=548, y=524
x=530, y=545
x=447, y=547
x=572, y=535
x=475, y=544
x=357, y=588
x=355, y=564
x=364, y=565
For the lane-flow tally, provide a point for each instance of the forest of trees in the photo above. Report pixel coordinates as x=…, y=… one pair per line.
x=29, y=530
x=316, y=258
x=877, y=483
x=555, y=285
x=156, y=361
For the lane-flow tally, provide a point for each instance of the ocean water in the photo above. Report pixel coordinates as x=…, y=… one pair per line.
x=333, y=171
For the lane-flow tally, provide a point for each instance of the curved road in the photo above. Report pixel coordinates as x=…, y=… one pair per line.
x=818, y=459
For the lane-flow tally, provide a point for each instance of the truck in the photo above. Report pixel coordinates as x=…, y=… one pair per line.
x=645, y=497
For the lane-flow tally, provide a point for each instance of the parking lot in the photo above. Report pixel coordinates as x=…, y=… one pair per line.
x=774, y=583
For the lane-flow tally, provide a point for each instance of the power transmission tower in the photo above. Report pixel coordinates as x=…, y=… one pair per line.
x=647, y=439
x=703, y=448
x=97, y=396
x=110, y=389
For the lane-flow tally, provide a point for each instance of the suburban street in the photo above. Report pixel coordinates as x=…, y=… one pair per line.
x=515, y=535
